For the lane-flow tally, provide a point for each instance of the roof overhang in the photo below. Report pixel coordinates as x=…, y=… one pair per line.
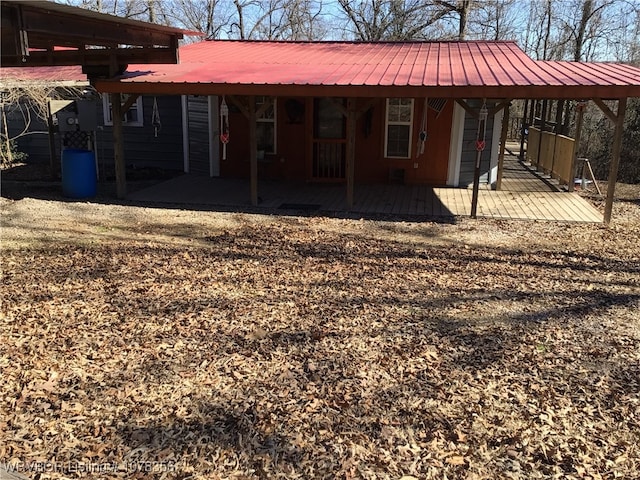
x=42, y=33
x=384, y=69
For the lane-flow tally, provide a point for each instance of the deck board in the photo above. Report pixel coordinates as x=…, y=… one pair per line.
x=525, y=195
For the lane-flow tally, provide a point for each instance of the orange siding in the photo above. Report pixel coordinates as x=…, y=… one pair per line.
x=293, y=146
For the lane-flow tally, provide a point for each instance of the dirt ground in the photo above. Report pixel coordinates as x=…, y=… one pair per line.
x=156, y=343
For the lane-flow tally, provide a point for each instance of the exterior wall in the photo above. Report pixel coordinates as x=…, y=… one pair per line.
x=468, y=157
x=36, y=144
x=142, y=148
x=294, y=143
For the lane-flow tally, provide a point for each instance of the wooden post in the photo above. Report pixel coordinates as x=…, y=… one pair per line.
x=351, y=149
x=503, y=141
x=522, y=129
x=53, y=158
x=253, y=151
x=480, y=138
x=118, y=145
x=615, y=160
x=576, y=145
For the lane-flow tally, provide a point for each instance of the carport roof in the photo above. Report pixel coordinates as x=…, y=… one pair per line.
x=434, y=69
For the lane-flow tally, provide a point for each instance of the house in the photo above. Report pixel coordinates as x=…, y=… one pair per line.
x=347, y=112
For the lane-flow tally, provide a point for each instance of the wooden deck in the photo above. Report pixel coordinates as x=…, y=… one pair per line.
x=524, y=196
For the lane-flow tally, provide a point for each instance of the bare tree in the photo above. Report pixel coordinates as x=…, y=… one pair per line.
x=375, y=20
x=27, y=100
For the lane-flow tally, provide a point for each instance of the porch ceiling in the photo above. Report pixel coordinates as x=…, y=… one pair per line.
x=382, y=69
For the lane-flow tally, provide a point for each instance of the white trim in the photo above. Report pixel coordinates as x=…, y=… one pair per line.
x=455, y=147
x=495, y=147
x=106, y=111
x=185, y=133
x=386, y=129
x=214, y=133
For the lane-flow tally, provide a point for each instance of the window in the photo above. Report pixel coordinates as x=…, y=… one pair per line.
x=266, y=125
x=397, y=142
x=132, y=117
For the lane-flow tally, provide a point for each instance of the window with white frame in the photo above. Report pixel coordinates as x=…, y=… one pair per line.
x=398, y=127
x=266, y=125
x=132, y=117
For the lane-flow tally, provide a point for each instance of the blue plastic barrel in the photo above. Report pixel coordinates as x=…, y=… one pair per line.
x=78, y=173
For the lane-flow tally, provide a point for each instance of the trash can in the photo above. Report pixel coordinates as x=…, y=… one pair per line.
x=78, y=173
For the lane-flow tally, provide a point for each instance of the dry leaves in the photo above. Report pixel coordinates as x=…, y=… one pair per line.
x=289, y=350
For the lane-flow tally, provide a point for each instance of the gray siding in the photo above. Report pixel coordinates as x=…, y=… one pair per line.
x=468, y=160
x=198, y=125
x=142, y=147
x=36, y=144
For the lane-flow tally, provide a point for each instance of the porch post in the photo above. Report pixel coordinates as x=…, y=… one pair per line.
x=576, y=145
x=503, y=140
x=522, y=129
x=615, y=160
x=118, y=145
x=351, y=149
x=253, y=151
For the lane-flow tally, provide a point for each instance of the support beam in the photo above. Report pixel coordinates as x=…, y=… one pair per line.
x=118, y=146
x=522, y=130
x=253, y=150
x=53, y=157
x=576, y=144
x=351, y=148
x=480, y=139
x=615, y=160
x=503, y=141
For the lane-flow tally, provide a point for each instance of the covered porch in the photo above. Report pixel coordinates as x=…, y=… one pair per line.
x=525, y=195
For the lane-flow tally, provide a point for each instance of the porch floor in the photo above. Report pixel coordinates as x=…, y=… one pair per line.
x=525, y=195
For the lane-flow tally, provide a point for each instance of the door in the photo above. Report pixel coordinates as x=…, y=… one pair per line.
x=328, y=155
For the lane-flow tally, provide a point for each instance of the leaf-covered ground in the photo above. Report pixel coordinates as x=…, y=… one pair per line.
x=140, y=343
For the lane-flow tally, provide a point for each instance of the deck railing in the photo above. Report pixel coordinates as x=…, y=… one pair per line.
x=553, y=154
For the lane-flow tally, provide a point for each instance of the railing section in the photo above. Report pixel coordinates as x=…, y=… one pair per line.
x=553, y=154
x=329, y=160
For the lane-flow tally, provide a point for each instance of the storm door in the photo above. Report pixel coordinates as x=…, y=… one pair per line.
x=328, y=159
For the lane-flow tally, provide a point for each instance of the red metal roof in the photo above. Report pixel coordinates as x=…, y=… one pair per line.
x=434, y=69
x=344, y=63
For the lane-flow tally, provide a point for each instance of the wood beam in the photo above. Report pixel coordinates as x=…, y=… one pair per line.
x=522, y=128
x=352, y=115
x=503, y=141
x=605, y=109
x=118, y=145
x=129, y=103
x=482, y=126
x=615, y=160
x=499, y=106
x=244, y=109
x=576, y=146
x=467, y=108
x=253, y=150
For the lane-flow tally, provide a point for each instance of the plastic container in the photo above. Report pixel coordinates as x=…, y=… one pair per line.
x=78, y=173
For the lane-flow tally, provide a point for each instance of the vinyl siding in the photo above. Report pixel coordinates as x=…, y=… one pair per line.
x=468, y=158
